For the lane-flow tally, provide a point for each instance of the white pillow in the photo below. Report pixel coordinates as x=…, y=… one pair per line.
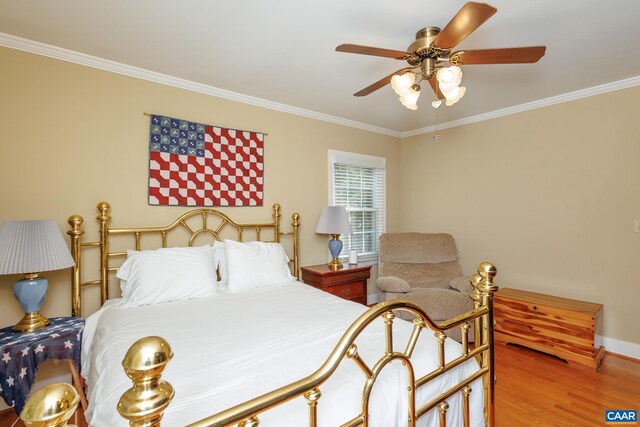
x=168, y=274
x=220, y=263
x=256, y=264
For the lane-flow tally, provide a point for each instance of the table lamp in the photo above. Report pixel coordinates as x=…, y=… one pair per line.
x=334, y=220
x=30, y=247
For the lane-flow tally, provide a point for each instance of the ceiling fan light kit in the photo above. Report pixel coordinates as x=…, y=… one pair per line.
x=432, y=48
x=449, y=76
x=401, y=84
x=454, y=95
x=410, y=98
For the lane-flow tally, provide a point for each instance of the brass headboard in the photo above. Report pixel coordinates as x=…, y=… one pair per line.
x=219, y=220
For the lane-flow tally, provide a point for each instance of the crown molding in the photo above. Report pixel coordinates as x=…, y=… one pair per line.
x=19, y=43
x=571, y=96
x=26, y=45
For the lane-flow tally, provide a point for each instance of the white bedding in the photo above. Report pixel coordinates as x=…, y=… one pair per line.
x=236, y=346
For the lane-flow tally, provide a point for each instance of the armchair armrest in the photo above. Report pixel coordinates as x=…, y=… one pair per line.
x=392, y=284
x=461, y=283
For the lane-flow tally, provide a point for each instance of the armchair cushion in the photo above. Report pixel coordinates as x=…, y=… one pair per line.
x=440, y=304
x=392, y=284
x=422, y=275
x=461, y=283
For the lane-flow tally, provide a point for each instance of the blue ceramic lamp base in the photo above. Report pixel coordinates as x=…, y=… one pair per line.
x=335, y=247
x=30, y=292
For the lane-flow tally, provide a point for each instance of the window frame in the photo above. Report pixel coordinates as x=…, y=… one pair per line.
x=366, y=161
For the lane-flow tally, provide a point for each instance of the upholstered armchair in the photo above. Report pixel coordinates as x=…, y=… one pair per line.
x=423, y=268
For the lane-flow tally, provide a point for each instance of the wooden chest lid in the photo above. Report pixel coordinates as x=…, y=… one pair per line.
x=549, y=300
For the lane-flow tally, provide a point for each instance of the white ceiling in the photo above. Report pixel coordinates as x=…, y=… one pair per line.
x=282, y=51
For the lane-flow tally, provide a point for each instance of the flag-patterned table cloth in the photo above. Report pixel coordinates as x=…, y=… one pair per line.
x=22, y=353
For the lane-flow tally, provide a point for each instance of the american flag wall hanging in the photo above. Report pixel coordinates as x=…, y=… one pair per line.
x=193, y=164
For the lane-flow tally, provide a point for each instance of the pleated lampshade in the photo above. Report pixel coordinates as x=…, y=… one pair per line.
x=32, y=246
x=334, y=220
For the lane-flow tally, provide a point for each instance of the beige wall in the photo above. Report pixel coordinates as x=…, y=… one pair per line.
x=549, y=195
x=73, y=136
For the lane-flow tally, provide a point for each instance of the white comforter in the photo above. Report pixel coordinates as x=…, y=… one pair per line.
x=233, y=347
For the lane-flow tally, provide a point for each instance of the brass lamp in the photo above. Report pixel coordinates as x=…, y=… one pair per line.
x=334, y=220
x=29, y=247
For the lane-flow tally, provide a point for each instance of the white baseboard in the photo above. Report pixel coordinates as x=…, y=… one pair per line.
x=372, y=299
x=39, y=384
x=623, y=348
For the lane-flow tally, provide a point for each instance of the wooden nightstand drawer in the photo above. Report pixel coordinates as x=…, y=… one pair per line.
x=352, y=291
x=349, y=282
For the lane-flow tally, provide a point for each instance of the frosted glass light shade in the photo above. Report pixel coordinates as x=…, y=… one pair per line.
x=455, y=95
x=410, y=100
x=334, y=220
x=402, y=84
x=449, y=77
x=32, y=246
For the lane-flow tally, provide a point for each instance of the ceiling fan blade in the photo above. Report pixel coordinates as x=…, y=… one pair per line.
x=380, y=83
x=466, y=21
x=434, y=85
x=512, y=55
x=374, y=51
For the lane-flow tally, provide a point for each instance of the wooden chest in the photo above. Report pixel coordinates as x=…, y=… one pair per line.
x=568, y=329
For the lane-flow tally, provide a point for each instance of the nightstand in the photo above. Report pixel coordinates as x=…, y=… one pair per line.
x=22, y=353
x=349, y=283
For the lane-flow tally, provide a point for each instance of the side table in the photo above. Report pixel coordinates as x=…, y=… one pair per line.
x=350, y=282
x=22, y=354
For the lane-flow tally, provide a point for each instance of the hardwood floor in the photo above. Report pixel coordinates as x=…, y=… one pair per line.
x=535, y=389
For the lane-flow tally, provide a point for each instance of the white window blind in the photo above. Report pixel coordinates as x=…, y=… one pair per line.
x=358, y=184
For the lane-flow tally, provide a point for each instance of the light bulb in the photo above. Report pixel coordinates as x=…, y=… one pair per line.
x=449, y=77
x=410, y=99
x=455, y=96
x=402, y=84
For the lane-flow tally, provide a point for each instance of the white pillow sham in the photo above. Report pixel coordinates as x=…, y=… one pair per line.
x=255, y=264
x=167, y=274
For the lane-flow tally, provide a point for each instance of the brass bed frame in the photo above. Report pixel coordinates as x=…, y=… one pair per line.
x=144, y=404
x=207, y=216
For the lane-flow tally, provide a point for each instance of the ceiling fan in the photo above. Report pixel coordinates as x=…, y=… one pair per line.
x=433, y=47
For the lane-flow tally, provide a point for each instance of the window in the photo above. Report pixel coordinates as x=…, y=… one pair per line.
x=357, y=182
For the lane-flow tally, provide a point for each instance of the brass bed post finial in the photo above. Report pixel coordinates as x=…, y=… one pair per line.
x=477, y=324
x=487, y=289
x=104, y=219
x=442, y=408
x=144, y=403
x=276, y=222
x=295, y=223
x=312, y=397
x=75, y=235
x=51, y=406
